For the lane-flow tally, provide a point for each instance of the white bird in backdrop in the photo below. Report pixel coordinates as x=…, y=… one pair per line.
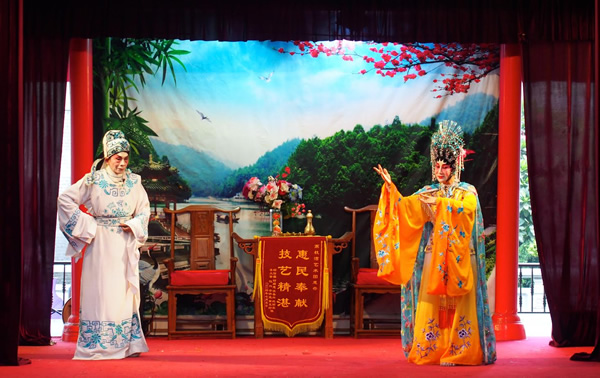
x=203, y=116
x=149, y=273
x=267, y=78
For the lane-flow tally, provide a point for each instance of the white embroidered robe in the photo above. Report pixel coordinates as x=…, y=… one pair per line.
x=109, y=325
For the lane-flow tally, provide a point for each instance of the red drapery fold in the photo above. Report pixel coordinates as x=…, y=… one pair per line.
x=44, y=91
x=562, y=159
x=10, y=241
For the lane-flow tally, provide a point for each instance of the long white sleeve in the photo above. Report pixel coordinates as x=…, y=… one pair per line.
x=139, y=222
x=139, y=228
x=78, y=227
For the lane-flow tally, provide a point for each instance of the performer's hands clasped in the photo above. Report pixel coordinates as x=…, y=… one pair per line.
x=125, y=227
x=430, y=200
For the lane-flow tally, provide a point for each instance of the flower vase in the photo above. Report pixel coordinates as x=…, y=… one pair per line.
x=275, y=222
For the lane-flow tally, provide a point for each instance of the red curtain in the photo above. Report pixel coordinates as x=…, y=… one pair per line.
x=10, y=241
x=380, y=20
x=562, y=151
x=48, y=26
x=44, y=91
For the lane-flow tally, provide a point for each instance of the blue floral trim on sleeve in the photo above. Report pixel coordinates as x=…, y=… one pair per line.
x=70, y=226
x=144, y=218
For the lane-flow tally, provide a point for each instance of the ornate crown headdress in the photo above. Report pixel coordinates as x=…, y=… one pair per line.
x=447, y=146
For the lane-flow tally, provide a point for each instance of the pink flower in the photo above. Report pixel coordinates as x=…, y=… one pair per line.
x=254, y=183
x=277, y=193
x=251, y=188
x=271, y=191
x=260, y=194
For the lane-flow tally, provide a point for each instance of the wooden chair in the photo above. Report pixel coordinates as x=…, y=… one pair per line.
x=364, y=281
x=202, y=277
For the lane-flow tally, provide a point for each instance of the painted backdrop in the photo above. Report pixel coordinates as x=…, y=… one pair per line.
x=206, y=117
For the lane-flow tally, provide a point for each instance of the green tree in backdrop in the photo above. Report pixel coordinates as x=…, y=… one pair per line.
x=119, y=65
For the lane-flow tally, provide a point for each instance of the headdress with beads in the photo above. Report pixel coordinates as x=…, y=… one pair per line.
x=447, y=146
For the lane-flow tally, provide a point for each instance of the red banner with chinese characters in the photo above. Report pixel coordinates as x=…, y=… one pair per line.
x=292, y=278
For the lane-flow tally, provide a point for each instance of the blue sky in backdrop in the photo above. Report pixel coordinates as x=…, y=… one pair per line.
x=257, y=98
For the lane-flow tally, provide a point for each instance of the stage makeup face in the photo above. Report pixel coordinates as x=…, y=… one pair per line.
x=118, y=162
x=443, y=172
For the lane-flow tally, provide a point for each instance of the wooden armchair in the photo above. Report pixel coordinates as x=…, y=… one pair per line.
x=365, y=281
x=202, y=278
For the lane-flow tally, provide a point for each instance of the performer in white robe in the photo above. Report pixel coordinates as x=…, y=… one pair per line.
x=113, y=231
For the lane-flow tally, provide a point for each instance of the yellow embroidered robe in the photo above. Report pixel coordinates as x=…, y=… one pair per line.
x=432, y=251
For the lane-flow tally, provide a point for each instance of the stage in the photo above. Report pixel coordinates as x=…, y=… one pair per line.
x=304, y=356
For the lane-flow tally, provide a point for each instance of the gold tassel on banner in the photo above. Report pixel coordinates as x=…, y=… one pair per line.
x=326, y=277
x=257, y=273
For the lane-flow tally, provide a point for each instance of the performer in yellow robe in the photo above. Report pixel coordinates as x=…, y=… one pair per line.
x=432, y=244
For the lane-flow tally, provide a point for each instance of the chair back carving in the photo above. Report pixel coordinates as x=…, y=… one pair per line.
x=372, y=210
x=202, y=278
x=202, y=233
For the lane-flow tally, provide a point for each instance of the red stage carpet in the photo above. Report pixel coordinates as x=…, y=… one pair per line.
x=273, y=356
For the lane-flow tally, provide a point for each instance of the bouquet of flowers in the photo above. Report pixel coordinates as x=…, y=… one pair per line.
x=276, y=194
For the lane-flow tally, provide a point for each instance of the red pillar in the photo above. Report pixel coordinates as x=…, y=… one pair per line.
x=507, y=323
x=82, y=150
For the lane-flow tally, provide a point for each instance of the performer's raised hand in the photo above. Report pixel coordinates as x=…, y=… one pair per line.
x=385, y=175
